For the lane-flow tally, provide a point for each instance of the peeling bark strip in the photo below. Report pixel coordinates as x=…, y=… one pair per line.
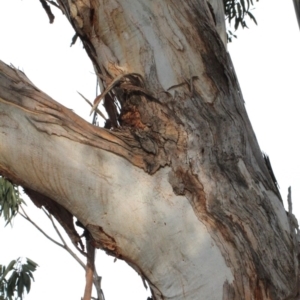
x=178, y=187
x=48, y=116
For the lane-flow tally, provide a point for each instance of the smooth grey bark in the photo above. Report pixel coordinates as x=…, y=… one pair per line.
x=180, y=189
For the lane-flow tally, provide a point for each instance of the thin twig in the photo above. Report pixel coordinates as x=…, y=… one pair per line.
x=97, y=110
x=54, y=226
x=96, y=278
x=48, y=11
x=59, y=234
x=54, y=4
x=25, y=216
x=64, y=245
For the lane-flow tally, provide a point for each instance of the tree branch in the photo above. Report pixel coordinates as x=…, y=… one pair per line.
x=64, y=245
x=96, y=280
x=90, y=270
x=26, y=217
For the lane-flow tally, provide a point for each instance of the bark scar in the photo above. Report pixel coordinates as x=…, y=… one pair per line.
x=102, y=240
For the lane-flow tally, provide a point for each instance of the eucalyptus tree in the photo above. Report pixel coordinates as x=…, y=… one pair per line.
x=175, y=183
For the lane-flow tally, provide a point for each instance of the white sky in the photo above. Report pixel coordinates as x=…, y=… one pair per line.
x=266, y=59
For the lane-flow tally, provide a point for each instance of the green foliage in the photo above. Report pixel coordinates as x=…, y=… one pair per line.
x=236, y=12
x=15, y=278
x=9, y=200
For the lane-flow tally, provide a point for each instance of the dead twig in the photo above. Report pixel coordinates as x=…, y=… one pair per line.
x=48, y=11
x=54, y=4
x=97, y=110
x=120, y=80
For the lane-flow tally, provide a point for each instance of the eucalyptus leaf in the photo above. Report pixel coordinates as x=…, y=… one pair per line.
x=10, y=200
x=236, y=12
x=20, y=287
x=8, y=269
x=20, y=279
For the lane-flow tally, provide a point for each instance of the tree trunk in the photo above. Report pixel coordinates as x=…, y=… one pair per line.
x=177, y=187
